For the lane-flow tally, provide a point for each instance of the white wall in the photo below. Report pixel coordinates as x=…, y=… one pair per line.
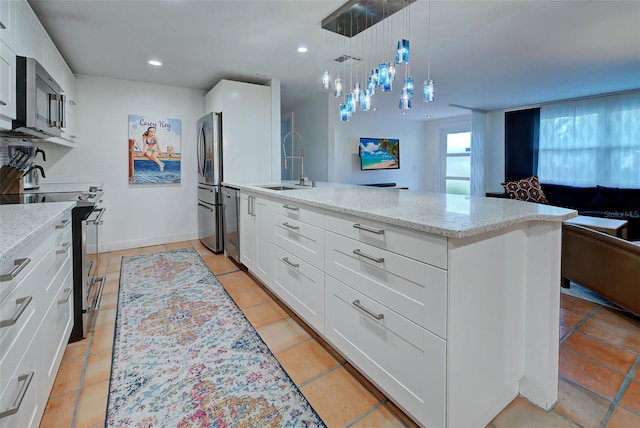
x=494, y=151
x=411, y=134
x=311, y=122
x=137, y=215
x=432, y=153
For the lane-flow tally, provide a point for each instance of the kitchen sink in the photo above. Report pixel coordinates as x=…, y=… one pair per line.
x=279, y=187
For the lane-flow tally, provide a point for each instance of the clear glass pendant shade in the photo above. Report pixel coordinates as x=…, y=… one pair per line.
x=405, y=100
x=326, y=80
x=356, y=92
x=337, y=88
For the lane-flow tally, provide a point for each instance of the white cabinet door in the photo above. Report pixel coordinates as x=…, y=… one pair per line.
x=7, y=82
x=247, y=230
x=264, y=233
x=7, y=23
x=31, y=39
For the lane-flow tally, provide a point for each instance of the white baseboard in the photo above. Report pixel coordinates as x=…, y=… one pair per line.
x=125, y=245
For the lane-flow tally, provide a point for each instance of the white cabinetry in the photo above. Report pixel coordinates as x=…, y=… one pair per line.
x=7, y=23
x=255, y=234
x=36, y=298
x=7, y=83
x=246, y=129
x=31, y=39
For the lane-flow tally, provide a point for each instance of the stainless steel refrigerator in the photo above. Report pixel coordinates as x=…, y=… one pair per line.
x=210, y=177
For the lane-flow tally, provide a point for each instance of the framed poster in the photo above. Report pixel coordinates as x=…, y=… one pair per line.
x=154, y=149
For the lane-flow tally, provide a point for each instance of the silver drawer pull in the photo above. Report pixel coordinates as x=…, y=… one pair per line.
x=204, y=206
x=26, y=378
x=366, y=256
x=23, y=302
x=21, y=264
x=64, y=248
x=289, y=207
x=367, y=311
x=285, y=224
x=369, y=229
x=293, y=265
x=68, y=292
x=62, y=224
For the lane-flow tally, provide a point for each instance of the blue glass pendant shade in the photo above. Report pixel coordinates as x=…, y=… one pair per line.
x=399, y=53
x=408, y=84
x=351, y=104
x=344, y=115
x=371, y=86
x=428, y=91
x=365, y=101
x=405, y=50
x=383, y=76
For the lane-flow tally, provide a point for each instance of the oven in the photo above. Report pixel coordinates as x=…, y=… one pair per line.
x=92, y=282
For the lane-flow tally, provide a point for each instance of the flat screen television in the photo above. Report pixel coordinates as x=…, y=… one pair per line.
x=379, y=153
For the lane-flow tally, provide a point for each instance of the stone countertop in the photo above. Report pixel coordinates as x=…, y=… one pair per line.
x=22, y=223
x=453, y=216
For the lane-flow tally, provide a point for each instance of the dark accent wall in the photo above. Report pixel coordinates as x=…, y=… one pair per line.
x=521, y=131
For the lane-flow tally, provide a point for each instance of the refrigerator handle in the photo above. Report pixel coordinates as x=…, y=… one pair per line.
x=199, y=146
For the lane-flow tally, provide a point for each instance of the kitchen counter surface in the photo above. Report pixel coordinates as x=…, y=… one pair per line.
x=453, y=216
x=22, y=223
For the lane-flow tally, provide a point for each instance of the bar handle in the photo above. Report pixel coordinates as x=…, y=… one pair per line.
x=204, y=206
x=367, y=311
x=23, y=302
x=292, y=208
x=205, y=188
x=369, y=229
x=2, y=103
x=366, y=256
x=64, y=248
x=26, y=378
x=285, y=224
x=68, y=292
x=21, y=264
x=293, y=265
x=62, y=224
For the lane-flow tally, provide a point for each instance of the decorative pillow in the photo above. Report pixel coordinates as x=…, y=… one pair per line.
x=527, y=189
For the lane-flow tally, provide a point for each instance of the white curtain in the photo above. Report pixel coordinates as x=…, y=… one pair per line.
x=591, y=142
x=478, y=138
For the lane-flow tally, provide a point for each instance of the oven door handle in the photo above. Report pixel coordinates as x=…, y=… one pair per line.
x=100, y=212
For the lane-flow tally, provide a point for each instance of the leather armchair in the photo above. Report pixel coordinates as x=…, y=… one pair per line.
x=608, y=265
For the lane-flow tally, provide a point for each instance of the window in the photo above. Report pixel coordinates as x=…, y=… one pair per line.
x=591, y=142
x=456, y=177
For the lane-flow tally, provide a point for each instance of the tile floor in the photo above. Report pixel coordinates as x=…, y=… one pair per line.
x=599, y=359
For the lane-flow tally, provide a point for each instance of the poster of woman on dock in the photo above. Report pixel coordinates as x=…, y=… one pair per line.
x=154, y=150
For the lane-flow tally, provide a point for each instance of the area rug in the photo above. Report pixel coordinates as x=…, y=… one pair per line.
x=186, y=356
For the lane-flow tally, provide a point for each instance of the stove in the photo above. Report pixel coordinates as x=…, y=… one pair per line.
x=86, y=219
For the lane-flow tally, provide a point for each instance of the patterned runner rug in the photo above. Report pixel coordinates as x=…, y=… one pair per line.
x=185, y=355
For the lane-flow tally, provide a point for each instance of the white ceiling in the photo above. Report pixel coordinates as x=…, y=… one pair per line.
x=484, y=54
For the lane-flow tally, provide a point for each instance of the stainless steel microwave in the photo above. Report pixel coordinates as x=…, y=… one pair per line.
x=39, y=102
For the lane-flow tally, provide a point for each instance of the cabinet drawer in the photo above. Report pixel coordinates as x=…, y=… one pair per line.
x=300, y=286
x=61, y=255
x=302, y=239
x=415, y=290
x=62, y=226
x=59, y=322
x=16, y=268
x=25, y=376
x=404, y=360
x=300, y=212
x=424, y=247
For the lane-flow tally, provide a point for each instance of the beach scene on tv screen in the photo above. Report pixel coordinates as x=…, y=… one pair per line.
x=379, y=153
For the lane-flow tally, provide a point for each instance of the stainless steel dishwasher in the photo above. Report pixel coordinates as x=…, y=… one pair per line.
x=231, y=222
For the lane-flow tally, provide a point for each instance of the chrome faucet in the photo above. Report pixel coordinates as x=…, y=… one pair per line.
x=301, y=157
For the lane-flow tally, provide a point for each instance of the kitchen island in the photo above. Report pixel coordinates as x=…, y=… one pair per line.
x=448, y=303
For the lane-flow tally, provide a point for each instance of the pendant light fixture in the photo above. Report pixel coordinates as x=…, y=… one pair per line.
x=428, y=90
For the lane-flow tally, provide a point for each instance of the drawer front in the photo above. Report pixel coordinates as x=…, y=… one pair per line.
x=62, y=226
x=424, y=247
x=300, y=212
x=59, y=322
x=414, y=290
x=302, y=239
x=407, y=362
x=300, y=286
x=61, y=255
x=12, y=271
x=11, y=384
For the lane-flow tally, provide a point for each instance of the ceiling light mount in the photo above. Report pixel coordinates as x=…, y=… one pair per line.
x=355, y=16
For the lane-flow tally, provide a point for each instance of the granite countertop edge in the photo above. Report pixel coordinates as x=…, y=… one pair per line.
x=558, y=214
x=14, y=228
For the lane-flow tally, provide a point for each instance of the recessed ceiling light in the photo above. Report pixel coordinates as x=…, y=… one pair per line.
x=302, y=49
x=154, y=62
x=428, y=116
